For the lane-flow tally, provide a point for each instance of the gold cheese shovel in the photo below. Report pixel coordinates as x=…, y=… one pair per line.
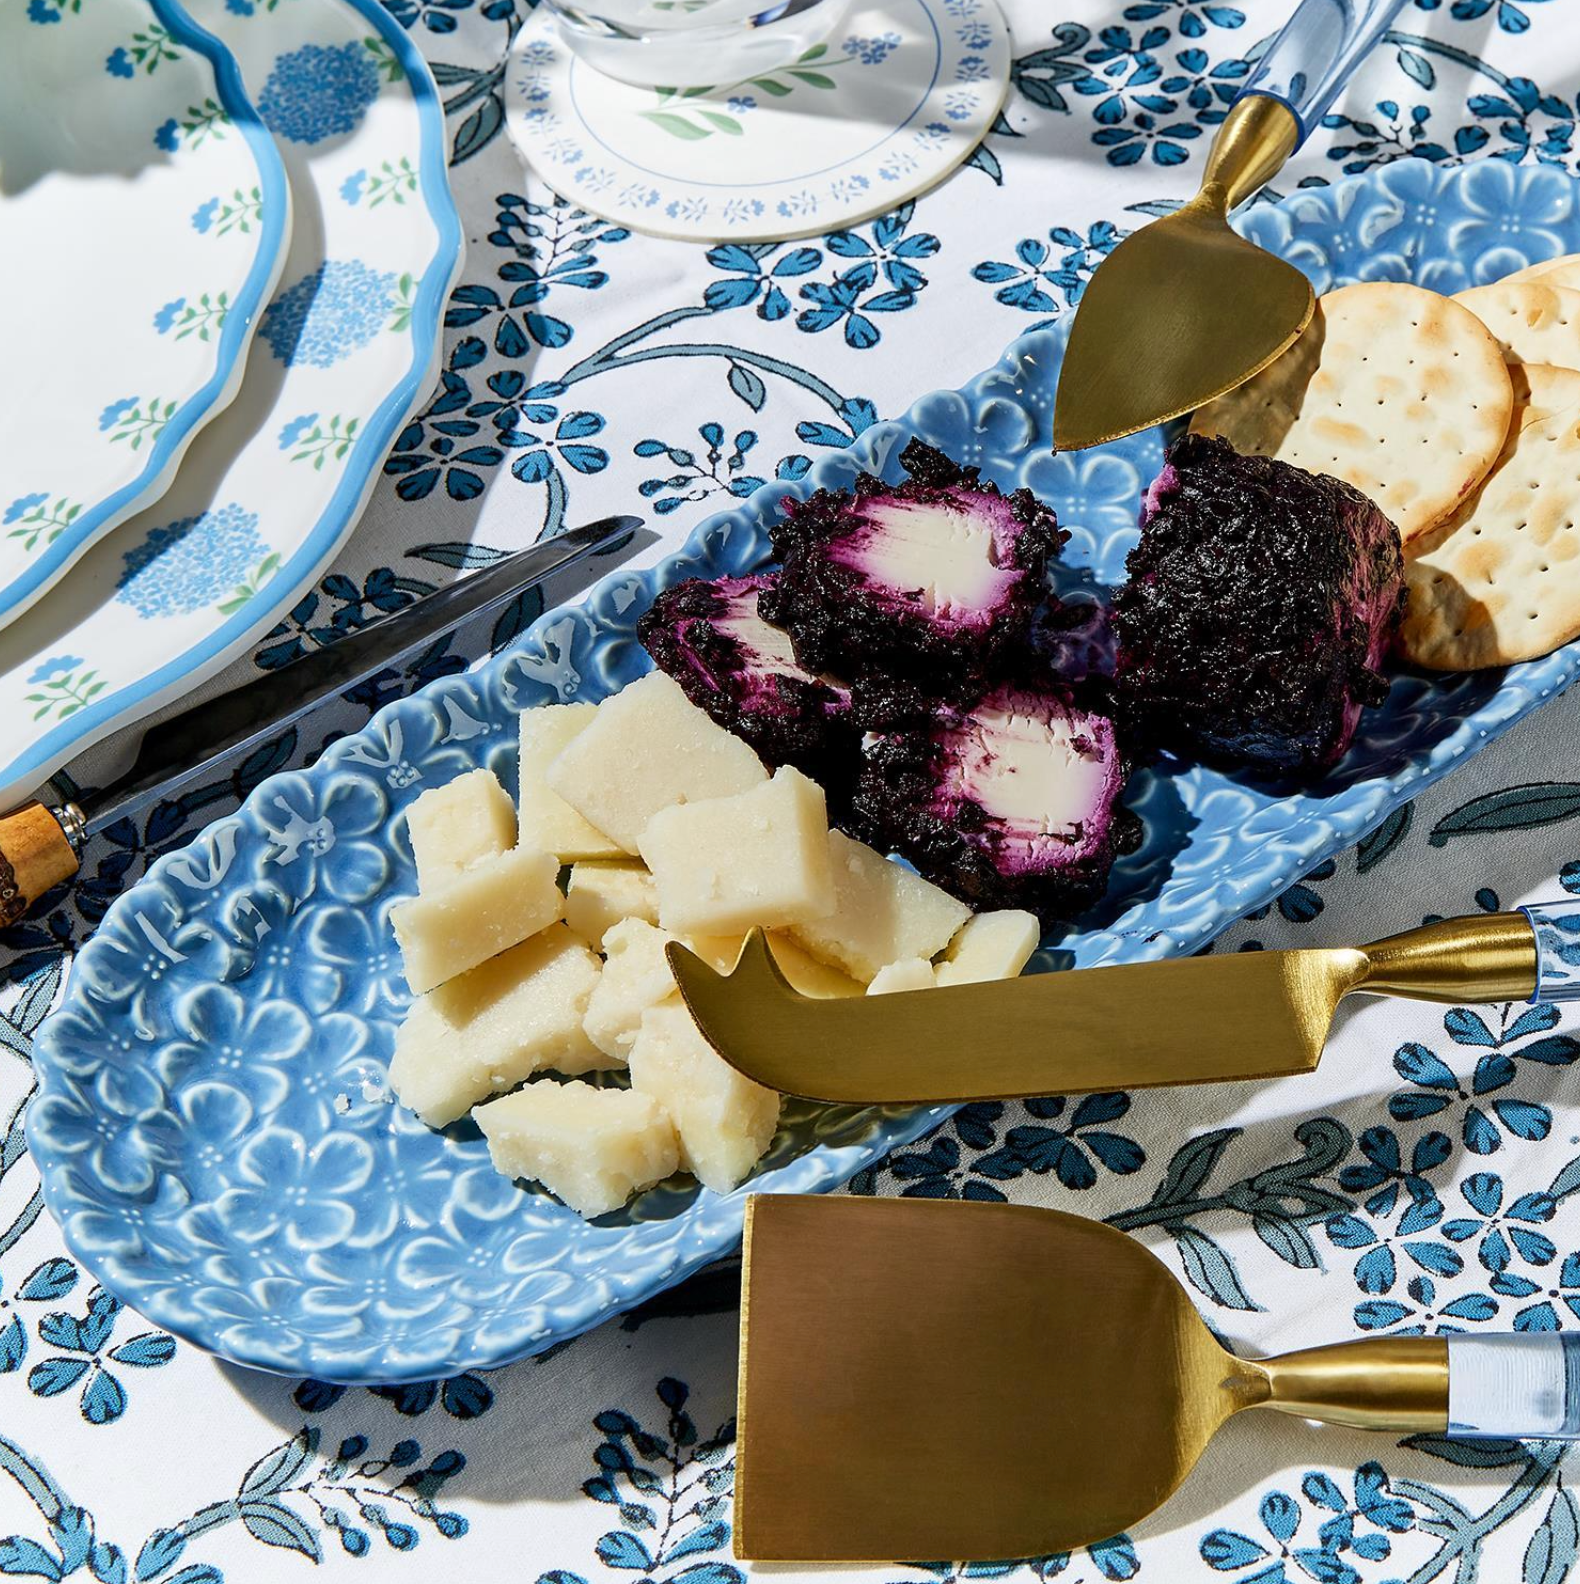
x=1059, y=1380
x=1191, y=1020
x=1183, y=309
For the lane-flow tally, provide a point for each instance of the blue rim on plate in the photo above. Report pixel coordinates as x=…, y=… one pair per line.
x=235, y=334
x=211, y=1126
x=362, y=466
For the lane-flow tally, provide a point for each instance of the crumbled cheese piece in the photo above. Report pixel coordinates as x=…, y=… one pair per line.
x=600, y=895
x=909, y=973
x=758, y=858
x=454, y=826
x=487, y=1030
x=648, y=747
x=724, y=1122
x=591, y=1148
x=990, y=946
x=882, y=913
x=479, y=913
x=547, y=820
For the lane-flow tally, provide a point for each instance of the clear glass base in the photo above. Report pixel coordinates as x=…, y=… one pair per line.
x=693, y=43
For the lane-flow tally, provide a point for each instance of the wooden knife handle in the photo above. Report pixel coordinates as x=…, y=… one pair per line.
x=35, y=854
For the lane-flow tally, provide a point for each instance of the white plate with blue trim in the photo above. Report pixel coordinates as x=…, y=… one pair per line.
x=125, y=325
x=345, y=350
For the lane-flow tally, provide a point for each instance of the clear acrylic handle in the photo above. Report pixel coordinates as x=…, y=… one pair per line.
x=1557, y=929
x=1519, y=1386
x=1320, y=46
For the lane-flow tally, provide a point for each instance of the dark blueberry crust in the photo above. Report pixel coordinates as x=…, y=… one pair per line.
x=833, y=617
x=785, y=719
x=1261, y=600
x=891, y=812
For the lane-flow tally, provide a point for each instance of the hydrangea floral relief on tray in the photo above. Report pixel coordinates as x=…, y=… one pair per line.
x=214, y=1126
x=164, y=137
x=344, y=350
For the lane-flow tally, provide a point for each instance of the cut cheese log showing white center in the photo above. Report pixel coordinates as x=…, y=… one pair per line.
x=477, y=914
x=547, y=820
x=910, y=973
x=937, y=558
x=881, y=914
x=990, y=946
x=724, y=1122
x=600, y=895
x=459, y=824
x=647, y=747
x=591, y=1148
x=758, y=858
x=486, y=1031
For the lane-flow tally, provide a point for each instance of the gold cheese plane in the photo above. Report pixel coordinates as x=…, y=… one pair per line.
x=1056, y=1388
x=1185, y=1021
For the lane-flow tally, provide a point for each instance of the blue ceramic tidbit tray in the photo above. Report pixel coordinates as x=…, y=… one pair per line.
x=211, y=1123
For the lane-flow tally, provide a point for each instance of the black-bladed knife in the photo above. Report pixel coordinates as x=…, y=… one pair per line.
x=40, y=843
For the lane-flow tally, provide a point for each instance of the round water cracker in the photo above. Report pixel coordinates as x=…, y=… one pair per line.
x=1533, y=321
x=1396, y=390
x=1498, y=582
x=1540, y=390
x=1565, y=269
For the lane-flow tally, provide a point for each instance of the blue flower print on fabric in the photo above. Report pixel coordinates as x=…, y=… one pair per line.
x=319, y=91
x=328, y=315
x=188, y=565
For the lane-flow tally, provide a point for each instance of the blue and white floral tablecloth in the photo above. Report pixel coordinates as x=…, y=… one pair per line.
x=1428, y=1178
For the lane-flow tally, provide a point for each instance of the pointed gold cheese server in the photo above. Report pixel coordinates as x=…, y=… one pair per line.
x=1184, y=309
x=1189, y=1021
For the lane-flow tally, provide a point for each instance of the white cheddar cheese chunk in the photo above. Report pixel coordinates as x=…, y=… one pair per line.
x=481, y=912
x=547, y=820
x=591, y=1148
x=909, y=973
x=600, y=895
x=648, y=746
x=990, y=946
x=724, y=1122
x=459, y=824
x=881, y=913
x=485, y=1031
x=432, y=1072
x=635, y=977
x=760, y=857
x=805, y=973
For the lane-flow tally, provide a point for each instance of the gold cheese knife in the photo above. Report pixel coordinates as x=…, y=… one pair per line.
x=40, y=843
x=1189, y=1020
x=1051, y=1392
x=1184, y=309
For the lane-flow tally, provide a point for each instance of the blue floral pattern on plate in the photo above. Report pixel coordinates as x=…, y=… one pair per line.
x=319, y=91
x=329, y=314
x=352, y=340
x=247, y=989
x=163, y=119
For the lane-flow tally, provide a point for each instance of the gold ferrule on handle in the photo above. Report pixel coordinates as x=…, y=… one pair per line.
x=36, y=853
x=1372, y=1383
x=1257, y=136
x=1490, y=958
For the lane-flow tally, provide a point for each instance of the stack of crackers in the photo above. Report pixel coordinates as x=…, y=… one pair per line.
x=1460, y=417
